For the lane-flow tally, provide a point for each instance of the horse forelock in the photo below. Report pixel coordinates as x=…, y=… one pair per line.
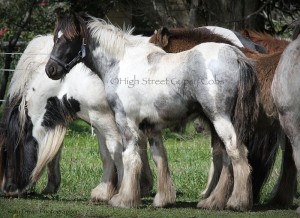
x=70, y=26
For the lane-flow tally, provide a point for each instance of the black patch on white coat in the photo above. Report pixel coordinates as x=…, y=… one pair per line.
x=60, y=111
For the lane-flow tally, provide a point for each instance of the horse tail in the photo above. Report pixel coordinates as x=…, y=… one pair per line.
x=48, y=149
x=263, y=148
x=247, y=103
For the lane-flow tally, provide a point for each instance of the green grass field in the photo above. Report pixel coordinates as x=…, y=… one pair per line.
x=81, y=168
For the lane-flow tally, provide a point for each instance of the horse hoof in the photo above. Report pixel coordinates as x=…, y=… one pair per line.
x=103, y=192
x=238, y=204
x=211, y=203
x=119, y=201
x=50, y=190
x=162, y=200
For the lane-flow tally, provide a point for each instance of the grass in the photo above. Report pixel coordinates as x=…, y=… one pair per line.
x=81, y=168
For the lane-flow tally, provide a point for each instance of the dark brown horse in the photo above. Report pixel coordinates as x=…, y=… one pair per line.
x=264, y=145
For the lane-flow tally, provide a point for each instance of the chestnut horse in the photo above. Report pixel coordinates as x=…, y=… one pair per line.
x=271, y=43
x=264, y=145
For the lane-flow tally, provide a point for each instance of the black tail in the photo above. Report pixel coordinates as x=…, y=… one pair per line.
x=263, y=148
x=247, y=104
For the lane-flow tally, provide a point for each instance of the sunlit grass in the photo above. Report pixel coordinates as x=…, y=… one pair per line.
x=81, y=169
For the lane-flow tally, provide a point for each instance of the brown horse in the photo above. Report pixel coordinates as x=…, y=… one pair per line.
x=271, y=43
x=264, y=145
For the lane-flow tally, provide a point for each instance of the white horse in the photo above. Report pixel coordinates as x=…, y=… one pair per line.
x=149, y=89
x=48, y=107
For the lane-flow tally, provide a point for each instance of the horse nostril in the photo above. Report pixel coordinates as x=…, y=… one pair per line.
x=10, y=189
x=51, y=70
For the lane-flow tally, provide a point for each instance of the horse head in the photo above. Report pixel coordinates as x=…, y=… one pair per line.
x=70, y=37
x=18, y=151
x=160, y=37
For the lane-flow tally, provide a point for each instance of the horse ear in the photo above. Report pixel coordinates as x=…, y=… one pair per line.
x=165, y=35
x=164, y=31
x=246, y=33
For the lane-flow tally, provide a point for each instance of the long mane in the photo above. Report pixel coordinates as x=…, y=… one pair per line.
x=36, y=53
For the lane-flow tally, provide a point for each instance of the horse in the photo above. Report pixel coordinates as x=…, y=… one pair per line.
x=182, y=39
x=267, y=135
x=53, y=167
x=237, y=38
x=271, y=43
x=49, y=106
x=115, y=55
x=285, y=87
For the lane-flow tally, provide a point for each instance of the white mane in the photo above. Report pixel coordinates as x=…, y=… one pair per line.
x=112, y=39
x=36, y=53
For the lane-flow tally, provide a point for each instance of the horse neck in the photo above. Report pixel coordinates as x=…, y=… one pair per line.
x=103, y=59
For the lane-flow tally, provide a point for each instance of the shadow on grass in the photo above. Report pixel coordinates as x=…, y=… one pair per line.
x=38, y=196
x=147, y=203
x=267, y=206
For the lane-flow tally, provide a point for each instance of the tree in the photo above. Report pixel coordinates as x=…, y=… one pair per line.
x=272, y=16
x=24, y=19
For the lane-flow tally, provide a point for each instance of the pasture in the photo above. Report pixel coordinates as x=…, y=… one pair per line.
x=81, y=167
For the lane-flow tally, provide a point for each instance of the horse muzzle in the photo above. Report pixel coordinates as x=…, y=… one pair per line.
x=54, y=71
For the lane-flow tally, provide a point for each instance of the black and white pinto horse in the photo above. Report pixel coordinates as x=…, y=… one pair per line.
x=37, y=113
x=285, y=91
x=214, y=81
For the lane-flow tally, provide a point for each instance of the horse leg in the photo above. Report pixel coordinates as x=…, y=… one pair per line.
x=221, y=192
x=146, y=183
x=216, y=164
x=290, y=123
x=286, y=187
x=54, y=176
x=241, y=197
x=166, y=191
x=129, y=192
x=108, y=185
